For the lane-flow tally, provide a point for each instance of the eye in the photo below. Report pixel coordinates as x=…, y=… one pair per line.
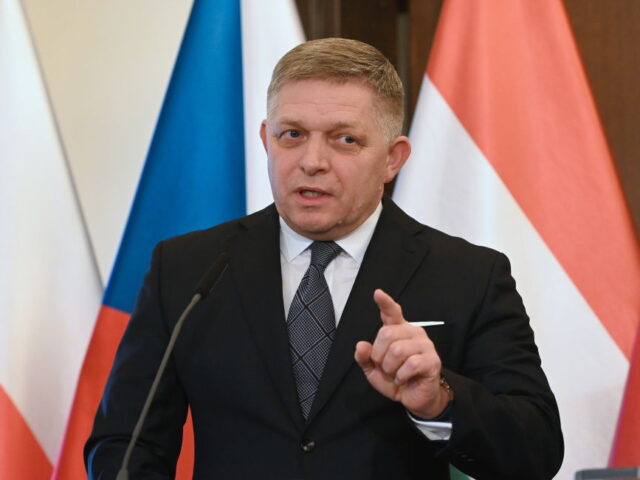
x=348, y=139
x=291, y=137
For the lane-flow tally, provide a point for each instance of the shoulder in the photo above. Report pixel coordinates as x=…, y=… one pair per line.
x=220, y=235
x=460, y=252
x=178, y=263
x=201, y=247
x=440, y=244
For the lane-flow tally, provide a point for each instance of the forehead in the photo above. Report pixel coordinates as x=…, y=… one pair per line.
x=322, y=98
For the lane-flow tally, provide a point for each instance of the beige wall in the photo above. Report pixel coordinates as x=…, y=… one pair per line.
x=106, y=65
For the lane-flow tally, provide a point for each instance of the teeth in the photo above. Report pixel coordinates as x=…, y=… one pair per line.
x=309, y=193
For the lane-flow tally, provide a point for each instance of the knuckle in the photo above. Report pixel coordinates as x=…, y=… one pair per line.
x=419, y=332
x=385, y=333
x=395, y=350
x=433, y=363
x=388, y=367
x=413, y=362
x=427, y=344
x=437, y=362
x=375, y=356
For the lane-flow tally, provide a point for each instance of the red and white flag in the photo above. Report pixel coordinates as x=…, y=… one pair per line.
x=626, y=445
x=49, y=284
x=509, y=153
x=198, y=188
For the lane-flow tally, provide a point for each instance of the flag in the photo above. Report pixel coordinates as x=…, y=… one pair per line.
x=194, y=175
x=509, y=153
x=626, y=445
x=269, y=30
x=49, y=283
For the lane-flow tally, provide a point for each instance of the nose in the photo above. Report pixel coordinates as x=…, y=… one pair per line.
x=315, y=158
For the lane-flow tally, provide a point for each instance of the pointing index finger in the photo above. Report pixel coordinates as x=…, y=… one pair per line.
x=390, y=310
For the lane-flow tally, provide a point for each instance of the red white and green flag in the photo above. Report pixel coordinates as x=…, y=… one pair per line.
x=509, y=153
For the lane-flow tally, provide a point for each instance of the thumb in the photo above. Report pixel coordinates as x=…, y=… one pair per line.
x=363, y=356
x=390, y=310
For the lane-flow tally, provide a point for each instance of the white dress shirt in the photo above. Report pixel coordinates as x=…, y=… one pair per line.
x=340, y=274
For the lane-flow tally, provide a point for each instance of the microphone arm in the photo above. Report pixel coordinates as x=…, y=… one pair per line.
x=205, y=286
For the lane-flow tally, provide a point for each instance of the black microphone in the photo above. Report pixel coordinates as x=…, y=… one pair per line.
x=209, y=279
x=205, y=286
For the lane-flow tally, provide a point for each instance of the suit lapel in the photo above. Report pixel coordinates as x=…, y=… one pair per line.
x=255, y=266
x=393, y=255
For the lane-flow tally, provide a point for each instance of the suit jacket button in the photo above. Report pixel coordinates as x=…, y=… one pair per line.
x=307, y=445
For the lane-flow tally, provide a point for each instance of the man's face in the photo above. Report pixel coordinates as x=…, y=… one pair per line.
x=328, y=158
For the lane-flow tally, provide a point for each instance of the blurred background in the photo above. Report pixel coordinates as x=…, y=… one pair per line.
x=107, y=66
x=607, y=33
x=82, y=88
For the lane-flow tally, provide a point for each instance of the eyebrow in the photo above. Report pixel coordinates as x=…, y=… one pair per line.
x=287, y=121
x=295, y=123
x=340, y=125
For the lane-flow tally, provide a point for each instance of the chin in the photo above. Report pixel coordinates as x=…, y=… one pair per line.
x=310, y=228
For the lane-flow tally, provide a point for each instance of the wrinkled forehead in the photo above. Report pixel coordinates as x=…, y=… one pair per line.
x=317, y=101
x=321, y=90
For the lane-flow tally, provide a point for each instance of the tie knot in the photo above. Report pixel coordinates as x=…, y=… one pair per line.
x=322, y=253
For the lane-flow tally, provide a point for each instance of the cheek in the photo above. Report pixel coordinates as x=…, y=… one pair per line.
x=281, y=161
x=368, y=184
x=369, y=179
x=275, y=178
x=276, y=168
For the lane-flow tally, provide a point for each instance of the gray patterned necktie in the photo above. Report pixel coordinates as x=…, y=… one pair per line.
x=312, y=325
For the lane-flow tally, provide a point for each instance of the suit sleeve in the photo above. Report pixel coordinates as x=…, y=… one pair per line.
x=134, y=368
x=505, y=419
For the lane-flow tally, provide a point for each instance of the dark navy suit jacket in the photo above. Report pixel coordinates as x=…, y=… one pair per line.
x=232, y=366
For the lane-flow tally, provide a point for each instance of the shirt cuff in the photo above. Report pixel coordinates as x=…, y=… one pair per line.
x=433, y=430
x=438, y=428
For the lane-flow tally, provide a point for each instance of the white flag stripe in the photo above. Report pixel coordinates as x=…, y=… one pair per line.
x=462, y=194
x=49, y=286
x=262, y=47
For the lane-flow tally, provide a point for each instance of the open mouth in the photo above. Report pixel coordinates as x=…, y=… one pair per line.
x=311, y=193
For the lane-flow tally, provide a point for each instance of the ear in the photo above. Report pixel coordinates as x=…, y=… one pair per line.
x=263, y=134
x=398, y=153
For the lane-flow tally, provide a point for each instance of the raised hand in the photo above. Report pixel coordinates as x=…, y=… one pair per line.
x=402, y=364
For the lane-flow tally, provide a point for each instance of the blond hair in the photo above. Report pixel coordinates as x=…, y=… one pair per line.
x=342, y=60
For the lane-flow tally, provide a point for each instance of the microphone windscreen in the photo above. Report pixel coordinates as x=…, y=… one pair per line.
x=210, y=277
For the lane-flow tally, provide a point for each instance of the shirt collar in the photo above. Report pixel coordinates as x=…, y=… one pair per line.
x=354, y=244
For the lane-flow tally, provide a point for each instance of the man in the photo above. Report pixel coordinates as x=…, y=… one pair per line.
x=304, y=362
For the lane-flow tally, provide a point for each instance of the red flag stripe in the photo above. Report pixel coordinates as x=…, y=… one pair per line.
x=109, y=328
x=535, y=126
x=184, y=469
x=626, y=445
x=22, y=457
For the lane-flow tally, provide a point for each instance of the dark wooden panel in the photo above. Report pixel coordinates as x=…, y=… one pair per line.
x=320, y=18
x=374, y=22
x=608, y=37
x=371, y=21
x=423, y=20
